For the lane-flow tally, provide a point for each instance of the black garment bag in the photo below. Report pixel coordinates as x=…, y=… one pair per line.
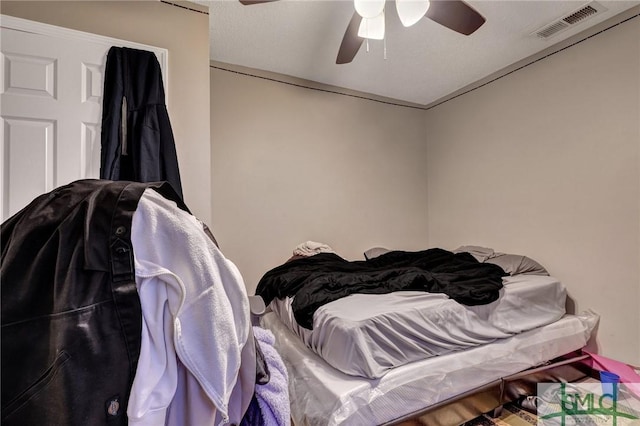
x=137, y=140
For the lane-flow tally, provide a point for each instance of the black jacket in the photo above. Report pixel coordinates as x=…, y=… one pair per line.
x=137, y=145
x=71, y=316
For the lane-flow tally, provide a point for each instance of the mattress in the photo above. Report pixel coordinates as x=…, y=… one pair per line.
x=321, y=395
x=387, y=331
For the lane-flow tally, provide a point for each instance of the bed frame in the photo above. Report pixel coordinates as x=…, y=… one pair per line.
x=490, y=397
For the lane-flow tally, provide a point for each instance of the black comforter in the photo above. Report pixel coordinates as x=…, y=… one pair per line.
x=325, y=277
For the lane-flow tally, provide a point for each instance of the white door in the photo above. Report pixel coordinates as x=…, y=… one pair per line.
x=51, y=83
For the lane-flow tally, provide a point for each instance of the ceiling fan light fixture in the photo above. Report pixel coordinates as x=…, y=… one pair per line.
x=372, y=28
x=411, y=11
x=369, y=9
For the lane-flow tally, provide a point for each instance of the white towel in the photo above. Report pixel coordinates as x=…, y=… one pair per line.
x=310, y=248
x=195, y=306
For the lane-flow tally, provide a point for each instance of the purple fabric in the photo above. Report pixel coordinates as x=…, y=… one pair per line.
x=273, y=397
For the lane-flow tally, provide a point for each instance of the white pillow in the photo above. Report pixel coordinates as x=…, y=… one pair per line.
x=375, y=252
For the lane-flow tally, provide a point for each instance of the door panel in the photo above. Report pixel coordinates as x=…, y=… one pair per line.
x=29, y=75
x=28, y=146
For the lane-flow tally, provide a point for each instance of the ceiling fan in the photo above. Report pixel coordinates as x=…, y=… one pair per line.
x=368, y=20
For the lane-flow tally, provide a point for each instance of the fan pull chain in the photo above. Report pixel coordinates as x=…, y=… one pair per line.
x=366, y=23
x=384, y=41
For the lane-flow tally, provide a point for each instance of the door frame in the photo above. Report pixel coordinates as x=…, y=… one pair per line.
x=35, y=27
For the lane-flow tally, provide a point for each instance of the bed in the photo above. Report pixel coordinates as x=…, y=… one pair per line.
x=385, y=358
x=383, y=330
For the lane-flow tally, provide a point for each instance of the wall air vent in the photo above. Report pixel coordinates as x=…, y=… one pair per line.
x=574, y=18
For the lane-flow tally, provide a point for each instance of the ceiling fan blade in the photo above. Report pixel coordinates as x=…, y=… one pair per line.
x=455, y=15
x=351, y=42
x=250, y=2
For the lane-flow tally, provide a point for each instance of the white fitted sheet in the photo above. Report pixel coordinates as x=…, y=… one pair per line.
x=323, y=396
x=384, y=331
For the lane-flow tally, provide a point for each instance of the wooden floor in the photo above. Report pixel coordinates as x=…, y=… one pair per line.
x=512, y=415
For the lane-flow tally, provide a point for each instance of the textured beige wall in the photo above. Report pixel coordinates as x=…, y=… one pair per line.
x=186, y=36
x=292, y=164
x=545, y=162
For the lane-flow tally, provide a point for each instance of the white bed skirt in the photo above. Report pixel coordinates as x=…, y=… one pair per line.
x=321, y=395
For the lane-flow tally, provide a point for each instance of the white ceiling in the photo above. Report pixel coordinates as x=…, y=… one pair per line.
x=424, y=63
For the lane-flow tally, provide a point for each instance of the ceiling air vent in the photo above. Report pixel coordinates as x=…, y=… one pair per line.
x=552, y=29
x=580, y=15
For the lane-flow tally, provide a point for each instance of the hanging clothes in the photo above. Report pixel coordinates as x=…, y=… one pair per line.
x=137, y=140
x=117, y=309
x=71, y=316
